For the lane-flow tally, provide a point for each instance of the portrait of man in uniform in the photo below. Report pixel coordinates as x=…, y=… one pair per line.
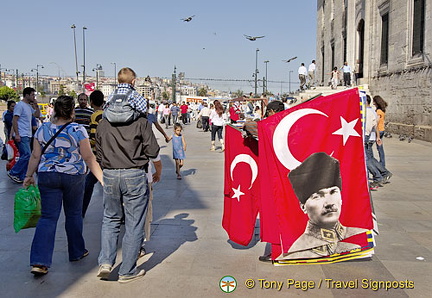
x=317, y=184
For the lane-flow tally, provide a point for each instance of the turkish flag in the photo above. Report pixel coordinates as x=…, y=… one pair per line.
x=241, y=186
x=330, y=124
x=89, y=88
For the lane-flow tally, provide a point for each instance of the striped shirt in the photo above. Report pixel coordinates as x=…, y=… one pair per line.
x=82, y=116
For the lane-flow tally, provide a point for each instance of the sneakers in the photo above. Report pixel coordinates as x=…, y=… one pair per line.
x=39, y=270
x=373, y=186
x=128, y=278
x=14, y=178
x=142, y=252
x=104, y=271
x=85, y=254
x=387, y=178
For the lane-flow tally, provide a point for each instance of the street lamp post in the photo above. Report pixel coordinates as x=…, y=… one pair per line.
x=76, y=59
x=266, y=77
x=97, y=69
x=37, y=75
x=256, y=71
x=84, y=54
x=115, y=71
x=289, y=80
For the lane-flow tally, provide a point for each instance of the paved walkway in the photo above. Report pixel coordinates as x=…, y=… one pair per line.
x=189, y=251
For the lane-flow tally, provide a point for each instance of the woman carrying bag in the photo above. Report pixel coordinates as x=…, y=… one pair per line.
x=61, y=151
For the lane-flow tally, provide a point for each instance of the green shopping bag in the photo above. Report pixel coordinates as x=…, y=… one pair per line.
x=27, y=208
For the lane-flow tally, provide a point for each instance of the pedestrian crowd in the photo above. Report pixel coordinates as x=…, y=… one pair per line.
x=79, y=146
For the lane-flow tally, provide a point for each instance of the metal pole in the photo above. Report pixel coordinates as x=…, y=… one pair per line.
x=37, y=76
x=84, y=61
x=174, y=81
x=266, y=77
x=76, y=59
x=256, y=71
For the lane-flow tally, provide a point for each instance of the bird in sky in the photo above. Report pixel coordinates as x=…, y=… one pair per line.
x=253, y=38
x=188, y=19
x=289, y=60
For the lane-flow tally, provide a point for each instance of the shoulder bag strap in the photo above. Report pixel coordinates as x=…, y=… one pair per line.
x=54, y=136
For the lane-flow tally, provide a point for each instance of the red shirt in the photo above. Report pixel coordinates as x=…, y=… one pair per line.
x=233, y=114
x=184, y=109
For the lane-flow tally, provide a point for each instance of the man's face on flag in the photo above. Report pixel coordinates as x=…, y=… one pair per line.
x=324, y=207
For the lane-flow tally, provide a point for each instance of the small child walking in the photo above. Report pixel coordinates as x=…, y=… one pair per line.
x=179, y=148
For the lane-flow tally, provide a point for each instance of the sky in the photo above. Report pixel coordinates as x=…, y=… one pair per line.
x=151, y=38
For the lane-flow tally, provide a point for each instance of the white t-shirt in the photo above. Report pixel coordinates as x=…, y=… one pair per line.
x=312, y=67
x=25, y=113
x=302, y=70
x=216, y=119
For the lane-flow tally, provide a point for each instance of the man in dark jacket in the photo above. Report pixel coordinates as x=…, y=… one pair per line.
x=123, y=152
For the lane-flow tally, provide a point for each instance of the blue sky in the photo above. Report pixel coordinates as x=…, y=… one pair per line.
x=149, y=37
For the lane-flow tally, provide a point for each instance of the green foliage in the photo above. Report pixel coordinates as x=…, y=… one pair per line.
x=62, y=90
x=202, y=91
x=73, y=94
x=7, y=93
x=165, y=95
x=238, y=93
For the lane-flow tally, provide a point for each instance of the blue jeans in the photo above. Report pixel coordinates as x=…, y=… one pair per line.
x=57, y=189
x=374, y=166
x=381, y=151
x=125, y=195
x=216, y=129
x=20, y=168
x=90, y=182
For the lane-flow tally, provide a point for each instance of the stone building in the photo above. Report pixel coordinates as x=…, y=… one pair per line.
x=392, y=42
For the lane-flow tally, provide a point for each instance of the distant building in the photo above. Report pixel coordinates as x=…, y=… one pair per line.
x=392, y=41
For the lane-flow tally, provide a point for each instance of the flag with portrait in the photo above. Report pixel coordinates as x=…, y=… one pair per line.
x=329, y=124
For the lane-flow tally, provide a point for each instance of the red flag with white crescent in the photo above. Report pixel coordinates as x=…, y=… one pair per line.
x=241, y=186
x=330, y=124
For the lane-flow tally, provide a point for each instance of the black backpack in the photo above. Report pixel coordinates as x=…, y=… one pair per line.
x=119, y=109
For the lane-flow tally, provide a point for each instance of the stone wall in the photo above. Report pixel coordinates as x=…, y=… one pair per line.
x=409, y=95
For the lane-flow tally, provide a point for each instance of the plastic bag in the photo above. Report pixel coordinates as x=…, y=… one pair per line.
x=199, y=123
x=27, y=208
x=12, y=150
x=10, y=145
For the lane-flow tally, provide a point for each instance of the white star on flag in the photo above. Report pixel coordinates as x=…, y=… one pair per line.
x=237, y=193
x=347, y=129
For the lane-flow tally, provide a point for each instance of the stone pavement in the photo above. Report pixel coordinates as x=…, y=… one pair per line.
x=189, y=252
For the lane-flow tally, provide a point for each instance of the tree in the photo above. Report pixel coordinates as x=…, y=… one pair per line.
x=202, y=91
x=62, y=90
x=238, y=93
x=7, y=93
x=73, y=94
x=165, y=95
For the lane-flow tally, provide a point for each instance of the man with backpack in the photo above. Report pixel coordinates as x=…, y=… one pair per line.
x=124, y=144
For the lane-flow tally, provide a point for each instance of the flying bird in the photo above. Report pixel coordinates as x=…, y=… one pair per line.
x=253, y=38
x=188, y=19
x=289, y=60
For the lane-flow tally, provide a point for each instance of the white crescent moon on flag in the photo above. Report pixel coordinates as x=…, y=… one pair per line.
x=250, y=161
x=280, y=137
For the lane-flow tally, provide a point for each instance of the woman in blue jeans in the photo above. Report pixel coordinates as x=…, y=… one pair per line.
x=61, y=174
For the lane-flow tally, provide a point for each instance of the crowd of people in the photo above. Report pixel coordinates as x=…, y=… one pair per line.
x=124, y=158
x=344, y=75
